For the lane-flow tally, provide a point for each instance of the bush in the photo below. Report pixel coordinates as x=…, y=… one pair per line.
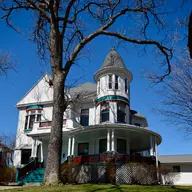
x=8, y=174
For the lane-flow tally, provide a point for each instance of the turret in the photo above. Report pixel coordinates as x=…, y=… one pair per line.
x=113, y=91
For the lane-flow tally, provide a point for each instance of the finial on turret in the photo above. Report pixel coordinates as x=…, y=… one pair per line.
x=112, y=48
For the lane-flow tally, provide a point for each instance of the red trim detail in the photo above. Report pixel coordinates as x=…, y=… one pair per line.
x=34, y=109
x=112, y=101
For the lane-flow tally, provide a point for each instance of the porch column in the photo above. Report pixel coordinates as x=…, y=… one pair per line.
x=108, y=139
x=34, y=148
x=73, y=145
x=156, y=157
x=41, y=152
x=151, y=145
x=112, y=140
x=69, y=146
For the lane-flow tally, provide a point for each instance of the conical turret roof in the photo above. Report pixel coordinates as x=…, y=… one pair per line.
x=113, y=59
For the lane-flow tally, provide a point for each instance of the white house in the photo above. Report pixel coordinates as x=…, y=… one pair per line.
x=181, y=167
x=98, y=119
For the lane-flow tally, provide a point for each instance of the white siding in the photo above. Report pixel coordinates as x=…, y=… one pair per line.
x=182, y=178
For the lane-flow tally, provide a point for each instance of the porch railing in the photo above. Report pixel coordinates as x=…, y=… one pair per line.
x=99, y=158
x=21, y=172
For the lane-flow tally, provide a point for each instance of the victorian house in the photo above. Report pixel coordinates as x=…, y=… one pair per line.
x=99, y=118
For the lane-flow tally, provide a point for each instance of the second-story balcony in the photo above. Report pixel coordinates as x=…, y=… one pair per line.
x=49, y=123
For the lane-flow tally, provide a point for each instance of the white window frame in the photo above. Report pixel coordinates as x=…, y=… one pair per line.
x=110, y=75
x=29, y=114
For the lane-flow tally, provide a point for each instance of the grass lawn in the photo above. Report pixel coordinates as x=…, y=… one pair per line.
x=102, y=188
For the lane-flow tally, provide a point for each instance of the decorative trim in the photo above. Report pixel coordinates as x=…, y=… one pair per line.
x=27, y=130
x=31, y=107
x=112, y=98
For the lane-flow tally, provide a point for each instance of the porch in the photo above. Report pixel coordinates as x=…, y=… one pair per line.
x=129, y=144
x=87, y=146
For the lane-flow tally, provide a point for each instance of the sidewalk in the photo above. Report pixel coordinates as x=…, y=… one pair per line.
x=9, y=187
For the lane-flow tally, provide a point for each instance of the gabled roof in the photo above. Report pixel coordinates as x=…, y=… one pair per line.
x=170, y=159
x=40, y=92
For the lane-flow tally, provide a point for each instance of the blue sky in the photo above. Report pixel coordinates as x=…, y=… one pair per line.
x=143, y=97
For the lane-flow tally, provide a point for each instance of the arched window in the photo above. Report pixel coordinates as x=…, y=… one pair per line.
x=121, y=112
x=104, y=112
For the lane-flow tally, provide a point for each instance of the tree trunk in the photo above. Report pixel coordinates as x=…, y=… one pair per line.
x=52, y=173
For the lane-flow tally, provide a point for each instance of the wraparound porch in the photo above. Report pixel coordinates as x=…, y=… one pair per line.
x=87, y=145
x=89, y=141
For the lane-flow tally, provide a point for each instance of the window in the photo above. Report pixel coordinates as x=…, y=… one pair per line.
x=137, y=124
x=31, y=117
x=83, y=148
x=102, y=145
x=126, y=85
x=121, y=114
x=110, y=82
x=38, y=118
x=104, y=112
x=25, y=156
x=31, y=121
x=84, y=119
x=176, y=168
x=121, y=146
x=26, y=121
x=116, y=81
x=98, y=87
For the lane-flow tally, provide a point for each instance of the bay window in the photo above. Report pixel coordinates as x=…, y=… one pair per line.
x=31, y=117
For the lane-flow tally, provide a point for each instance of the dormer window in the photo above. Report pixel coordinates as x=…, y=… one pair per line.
x=110, y=82
x=104, y=112
x=116, y=82
x=126, y=86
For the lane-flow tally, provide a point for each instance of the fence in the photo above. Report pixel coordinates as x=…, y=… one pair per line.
x=122, y=174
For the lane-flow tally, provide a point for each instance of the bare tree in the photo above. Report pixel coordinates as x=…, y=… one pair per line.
x=190, y=35
x=8, y=140
x=63, y=29
x=177, y=96
x=5, y=63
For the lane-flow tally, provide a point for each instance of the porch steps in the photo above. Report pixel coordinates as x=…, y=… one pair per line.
x=35, y=176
